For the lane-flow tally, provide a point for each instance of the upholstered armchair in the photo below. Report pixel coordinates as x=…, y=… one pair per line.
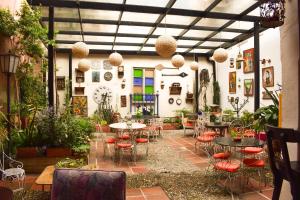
x=76, y=184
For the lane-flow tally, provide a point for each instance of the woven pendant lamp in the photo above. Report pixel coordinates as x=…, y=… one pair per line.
x=165, y=46
x=80, y=49
x=194, y=66
x=220, y=55
x=84, y=65
x=115, y=59
x=177, y=61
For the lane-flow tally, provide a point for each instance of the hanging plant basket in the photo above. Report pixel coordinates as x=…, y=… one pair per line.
x=272, y=13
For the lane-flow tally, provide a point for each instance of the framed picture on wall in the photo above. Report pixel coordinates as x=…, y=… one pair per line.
x=60, y=83
x=232, y=82
x=96, y=65
x=80, y=105
x=268, y=77
x=248, y=87
x=107, y=65
x=95, y=76
x=248, y=60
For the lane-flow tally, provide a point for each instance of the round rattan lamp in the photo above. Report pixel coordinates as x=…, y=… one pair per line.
x=80, y=49
x=194, y=66
x=220, y=55
x=115, y=59
x=165, y=46
x=177, y=61
x=84, y=65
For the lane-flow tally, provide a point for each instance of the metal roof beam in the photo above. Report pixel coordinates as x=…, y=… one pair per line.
x=129, y=44
x=146, y=53
x=144, y=9
x=245, y=12
x=93, y=33
x=132, y=23
x=158, y=21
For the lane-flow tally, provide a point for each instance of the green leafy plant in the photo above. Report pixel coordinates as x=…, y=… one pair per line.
x=32, y=33
x=8, y=25
x=247, y=119
x=70, y=163
x=228, y=115
x=268, y=114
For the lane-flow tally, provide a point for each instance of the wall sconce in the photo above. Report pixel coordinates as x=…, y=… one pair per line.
x=162, y=85
x=264, y=61
x=123, y=83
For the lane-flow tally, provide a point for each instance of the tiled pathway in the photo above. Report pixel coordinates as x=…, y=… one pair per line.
x=184, y=146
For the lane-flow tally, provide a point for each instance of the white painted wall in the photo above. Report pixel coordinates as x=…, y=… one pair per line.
x=165, y=109
x=269, y=49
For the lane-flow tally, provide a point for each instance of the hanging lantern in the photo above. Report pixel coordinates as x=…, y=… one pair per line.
x=194, y=66
x=177, y=61
x=159, y=67
x=220, y=55
x=84, y=65
x=115, y=59
x=240, y=57
x=272, y=13
x=80, y=49
x=165, y=46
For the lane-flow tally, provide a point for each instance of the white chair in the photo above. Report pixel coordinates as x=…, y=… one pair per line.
x=186, y=124
x=14, y=172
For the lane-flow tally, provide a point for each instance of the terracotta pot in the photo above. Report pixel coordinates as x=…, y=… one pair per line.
x=24, y=122
x=170, y=126
x=58, y=152
x=26, y=152
x=106, y=129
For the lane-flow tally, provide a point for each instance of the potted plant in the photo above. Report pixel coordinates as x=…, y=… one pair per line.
x=236, y=136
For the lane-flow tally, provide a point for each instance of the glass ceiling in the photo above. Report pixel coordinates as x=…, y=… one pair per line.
x=137, y=31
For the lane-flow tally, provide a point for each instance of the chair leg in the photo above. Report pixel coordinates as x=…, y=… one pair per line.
x=277, y=188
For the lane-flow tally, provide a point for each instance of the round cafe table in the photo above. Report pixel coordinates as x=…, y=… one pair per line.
x=243, y=143
x=124, y=126
x=222, y=127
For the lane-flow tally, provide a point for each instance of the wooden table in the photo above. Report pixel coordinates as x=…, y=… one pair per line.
x=46, y=177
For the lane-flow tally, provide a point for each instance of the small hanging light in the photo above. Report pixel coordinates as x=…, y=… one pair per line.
x=84, y=65
x=272, y=13
x=220, y=55
x=165, y=46
x=115, y=59
x=177, y=61
x=80, y=49
x=194, y=66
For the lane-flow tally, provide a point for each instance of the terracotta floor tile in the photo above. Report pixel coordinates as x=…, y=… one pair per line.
x=152, y=191
x=157, y=197
x=252, y=196
x=133, y=192
x=135, y=198
x=139, y=170
x=268, y=193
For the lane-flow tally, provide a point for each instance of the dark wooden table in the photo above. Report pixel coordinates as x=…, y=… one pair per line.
x=223, y=127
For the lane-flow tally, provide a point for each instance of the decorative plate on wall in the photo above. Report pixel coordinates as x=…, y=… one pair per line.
x=108, y=76
x=171, y=100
